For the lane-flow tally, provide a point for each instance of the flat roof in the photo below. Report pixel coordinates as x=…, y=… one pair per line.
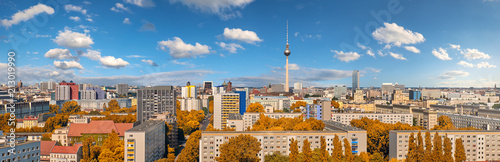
x=144, y=126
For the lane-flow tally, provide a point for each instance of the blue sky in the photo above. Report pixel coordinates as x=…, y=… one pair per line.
x=169, y=42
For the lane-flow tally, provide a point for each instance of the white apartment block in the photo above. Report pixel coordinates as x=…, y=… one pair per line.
x=345, y=118
x=250, y=118
x=479, y=145
x=61, y=135
x=145, y=142
x=462, y=121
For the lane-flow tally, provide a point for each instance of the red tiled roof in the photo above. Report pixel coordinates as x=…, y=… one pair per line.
x=255, y=91
x=46, y=147
x=98, y=127
x=66, y=149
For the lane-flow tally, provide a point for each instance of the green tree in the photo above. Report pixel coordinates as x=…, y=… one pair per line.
x=459, y=150
x=337, y=149
x=420, y=148
x=294, y=150
x=437, y=149
x=70, y=107
x=324, y=152
x=192, y=149
x=54, y=108
x=255, y=107
x=377, y=157
x=276, y=157
x=428, y=147
x=347, y=150
x=412, y=150
x=240, y=148
x=447, y=150
x=306, y=151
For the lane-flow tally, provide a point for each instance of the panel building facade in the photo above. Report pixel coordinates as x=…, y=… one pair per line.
x=155, y=100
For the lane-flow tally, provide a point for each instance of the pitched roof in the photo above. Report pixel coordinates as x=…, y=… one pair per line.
x=46, y=147
x=98, y=127
x=66, y=149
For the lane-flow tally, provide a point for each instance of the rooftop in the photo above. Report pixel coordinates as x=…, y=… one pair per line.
x=98, y=127
x=46, y=147
x=146, y=125
x=235, y=116
x=66, y=149
x=331, y=125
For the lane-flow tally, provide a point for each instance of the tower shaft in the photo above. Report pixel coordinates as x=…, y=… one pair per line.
x=286, y=80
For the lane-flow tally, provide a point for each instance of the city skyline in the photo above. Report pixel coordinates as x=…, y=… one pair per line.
x=147, y=42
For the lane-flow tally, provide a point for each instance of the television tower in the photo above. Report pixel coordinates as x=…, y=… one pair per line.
x=287, y=53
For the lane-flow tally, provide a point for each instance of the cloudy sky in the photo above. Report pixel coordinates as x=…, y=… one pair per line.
x=169, y=42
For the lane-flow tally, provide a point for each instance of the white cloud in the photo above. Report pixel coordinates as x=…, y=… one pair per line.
x=241, y=35
x=223, y=8
x=450, y=75
x=141, y=3
x=412, y=49
x=373, y=70
x=397, y=35
x=73, y=40
x=147, y=26
x=453, y=46
x=150, y=62
x=441, y=54
x=369, y=52
x=485, y=65
x=112, y=62
x=127, y=21
x=182, y=63
x=70, y=8
x=120, y=8
x=59, y=54
x=465, y=64
x=92, y=54
x=89, y=19
x=42, y=36
x=472, y=54
x=347, y=56
x=231, y=47
x=368, y=49
x=296, y=34
x=397, y=56
x=361, y=46
x=179, y=49
x=65, y=65
x=135, y=56
x=27, y=14
x=293, y=67
x=54, y=73
x=75, y=18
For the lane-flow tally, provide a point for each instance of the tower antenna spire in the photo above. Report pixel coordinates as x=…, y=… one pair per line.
x=286, y=31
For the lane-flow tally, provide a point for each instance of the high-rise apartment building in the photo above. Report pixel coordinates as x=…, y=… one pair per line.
x=207, y=86
x=297, y=86
x=415, y=95
x=188, y=91
x=122, y=89
x=225, y=104
x=155, y=100
x=355, y=80
x=145, y=142
x=67, y=91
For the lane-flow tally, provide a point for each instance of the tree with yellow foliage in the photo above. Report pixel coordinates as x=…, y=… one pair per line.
x=306, y=151
x=437, y=149
x=444, y=123
x=335, y=104
x=255, y=107
x=70, y=107
x=428, y=147
x=90, y=150
x=412, y=149
x=211, y=107
x=296, y=105
x=459, y=150
x=54, y=108
x=347, y=150
x=112, y=148
x=337, y=149
x=192, y=149
x=177, y=104
x=447, y=148
x=420, y=148
x=113, y=106
x=324, y=152
x=240, y=148
x=294, y=150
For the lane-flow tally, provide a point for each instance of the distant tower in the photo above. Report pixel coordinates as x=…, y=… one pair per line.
x=287, y=53
x=188, y=83
x=355, y=80
x=229, y=86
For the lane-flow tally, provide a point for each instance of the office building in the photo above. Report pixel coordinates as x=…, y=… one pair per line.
x=415, y=95
x=225, y=104
x=145, y=142
x=66, y=153
x=480, y=145
x=23, y=109
x=47, y=86
x=99, y=93
x=67, y=91
x=249, y=118
x=463, y=121
x=84, y=86
x=355, y=80
x=243, y=101
x=155, y=100
x=278, y=88
x=207, y=87
x=87, y=95
x=122, y=89
x=345, y=118
x=339, y=92
x=273, y=141
x=297, y=86
x=387, y=88
x=25, y=150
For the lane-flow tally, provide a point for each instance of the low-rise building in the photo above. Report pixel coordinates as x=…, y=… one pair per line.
x=145, y=142
x=66, y=153
x=480, y=145
x=463, y=121
x=250, y=118
x=61, y=135
x=235, y=122
x=45, y=148
x=389, y=118
x=98, y=129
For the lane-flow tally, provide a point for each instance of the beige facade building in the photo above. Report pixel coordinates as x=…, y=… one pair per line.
x=345, y=118
x=370, y=107
x=424, y=117
x=462, y=121
x=359, y=97
x=61, y=135
x=225, y=104
x=479, y=145
x=250, y=118
x=272, y=141
x=145, y=142
x=235, y=122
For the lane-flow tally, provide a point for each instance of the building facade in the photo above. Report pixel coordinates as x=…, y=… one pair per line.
x=345, y=118
x=355, y=80
x=67, y=91
x=155, y=100
x=225, y=104
x=145, y=142
x=249, y=118
x=66, y=153
x=463, y=121
x=122, y=89
x=22, y=109
x=24, y=151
